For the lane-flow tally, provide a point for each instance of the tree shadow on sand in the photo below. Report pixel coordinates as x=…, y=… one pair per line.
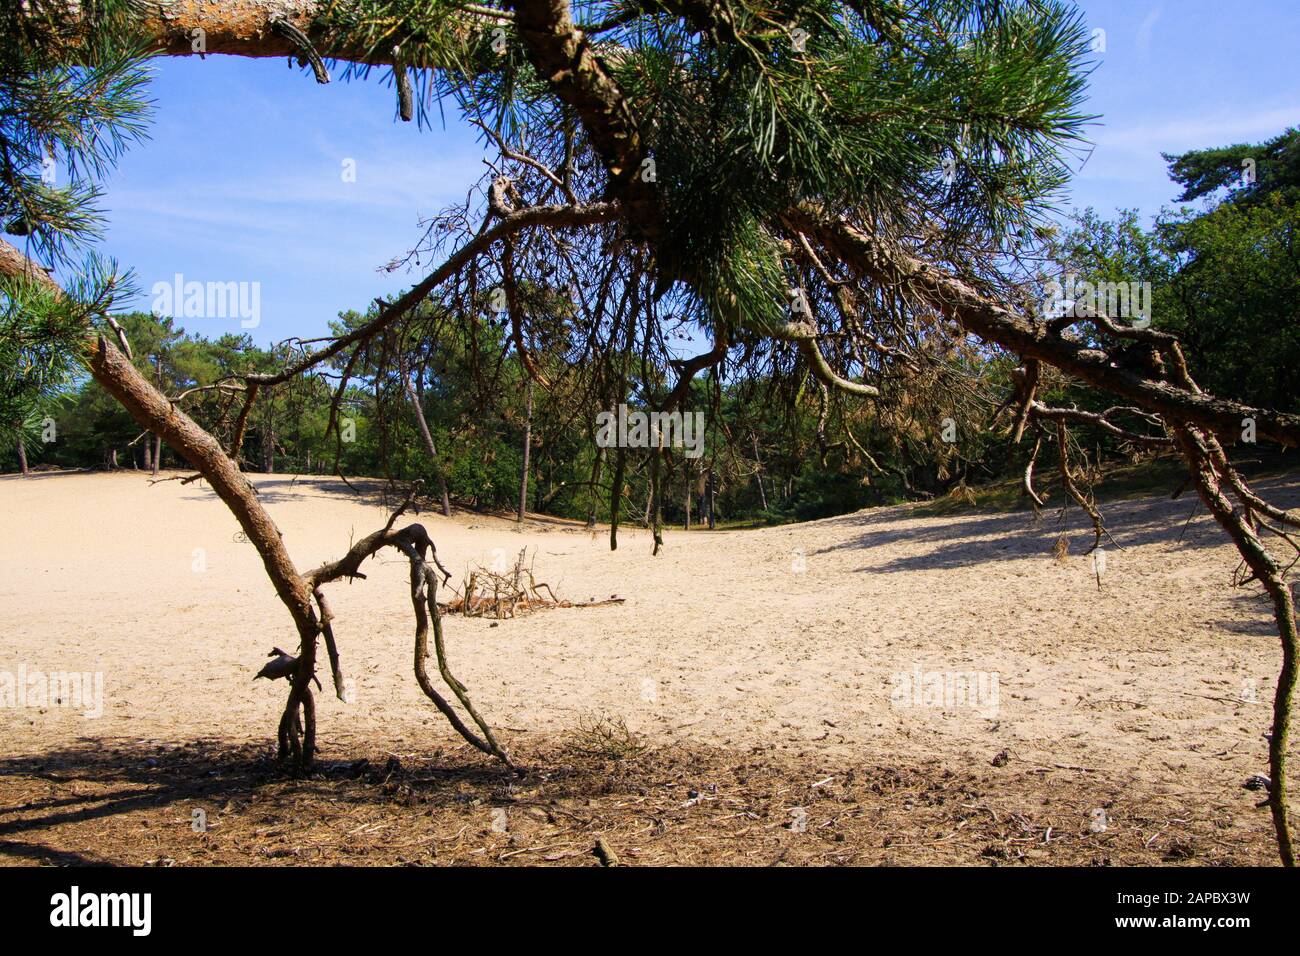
x=967, y=540
x=121, y=777
x=135, y=803
x=53, y=805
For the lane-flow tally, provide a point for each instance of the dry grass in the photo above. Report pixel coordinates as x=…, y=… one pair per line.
x=606, y=736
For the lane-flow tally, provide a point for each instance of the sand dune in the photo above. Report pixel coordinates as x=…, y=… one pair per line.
x=797, y=636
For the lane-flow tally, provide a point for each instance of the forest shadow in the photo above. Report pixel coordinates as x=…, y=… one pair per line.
x=378, y=493
x=372, y=492
x=367, y=491
x=1254, y=618
x=968, y=540
x=44, y=797
x=133, y=802
x=146, y=775
x=44, y=474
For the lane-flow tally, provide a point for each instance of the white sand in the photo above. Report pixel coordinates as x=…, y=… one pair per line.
x=720, y=640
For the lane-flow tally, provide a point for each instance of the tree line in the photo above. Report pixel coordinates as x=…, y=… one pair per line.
x=1225, y=279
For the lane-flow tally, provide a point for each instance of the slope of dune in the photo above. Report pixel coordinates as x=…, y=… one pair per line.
x=823, y=638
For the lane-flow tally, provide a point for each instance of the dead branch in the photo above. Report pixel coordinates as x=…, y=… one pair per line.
x=424, y=601
x=1027, y=484
x=1067, y=479
x=504, y=595
x=414, y=542
x=1197, y=447
x=1100, y=420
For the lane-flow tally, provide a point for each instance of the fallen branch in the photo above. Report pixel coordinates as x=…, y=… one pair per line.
x=488, y=593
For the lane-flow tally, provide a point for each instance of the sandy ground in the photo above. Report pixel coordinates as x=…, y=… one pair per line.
x=793, y=639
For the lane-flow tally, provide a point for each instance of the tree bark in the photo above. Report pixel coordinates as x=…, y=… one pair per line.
x=528, y=443
x=758, y=471
x=564, y=56
x=689, y=492
x=616, y=495
x=708, y=499
x=268, y=443
x=22, y=457
x=244, y=28
x=595, y=487
x=428, y=443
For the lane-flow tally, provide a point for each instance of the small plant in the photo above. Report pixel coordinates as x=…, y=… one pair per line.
x=963, y=493
x=606, y=736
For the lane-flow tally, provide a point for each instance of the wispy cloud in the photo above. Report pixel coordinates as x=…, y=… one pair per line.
x=1143, y=42
x=379, y=183
x=1216, y=129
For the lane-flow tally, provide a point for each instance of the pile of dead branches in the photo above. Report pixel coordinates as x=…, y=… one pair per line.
x=497, y=594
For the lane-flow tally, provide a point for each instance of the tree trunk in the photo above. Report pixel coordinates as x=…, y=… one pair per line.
x=428, y=442
x=758, y=471
x=655, y=507
x=22, y=456
x=595, y=487
x=528, y=441
x=152, y=410
x=709, y=499
x=616, y=495
x=1199, y=449
x=689, y=491
x=268, y=445
x=242, y=28
x=152, y=443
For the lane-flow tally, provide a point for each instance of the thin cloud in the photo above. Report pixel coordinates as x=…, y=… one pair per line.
x=1146, y=29
x=1193, y=132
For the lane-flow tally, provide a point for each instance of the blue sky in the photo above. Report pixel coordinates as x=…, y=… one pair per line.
x=1179, y=75
x=242, y=179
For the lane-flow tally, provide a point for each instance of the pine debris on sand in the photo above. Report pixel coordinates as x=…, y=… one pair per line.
x=500, y=595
